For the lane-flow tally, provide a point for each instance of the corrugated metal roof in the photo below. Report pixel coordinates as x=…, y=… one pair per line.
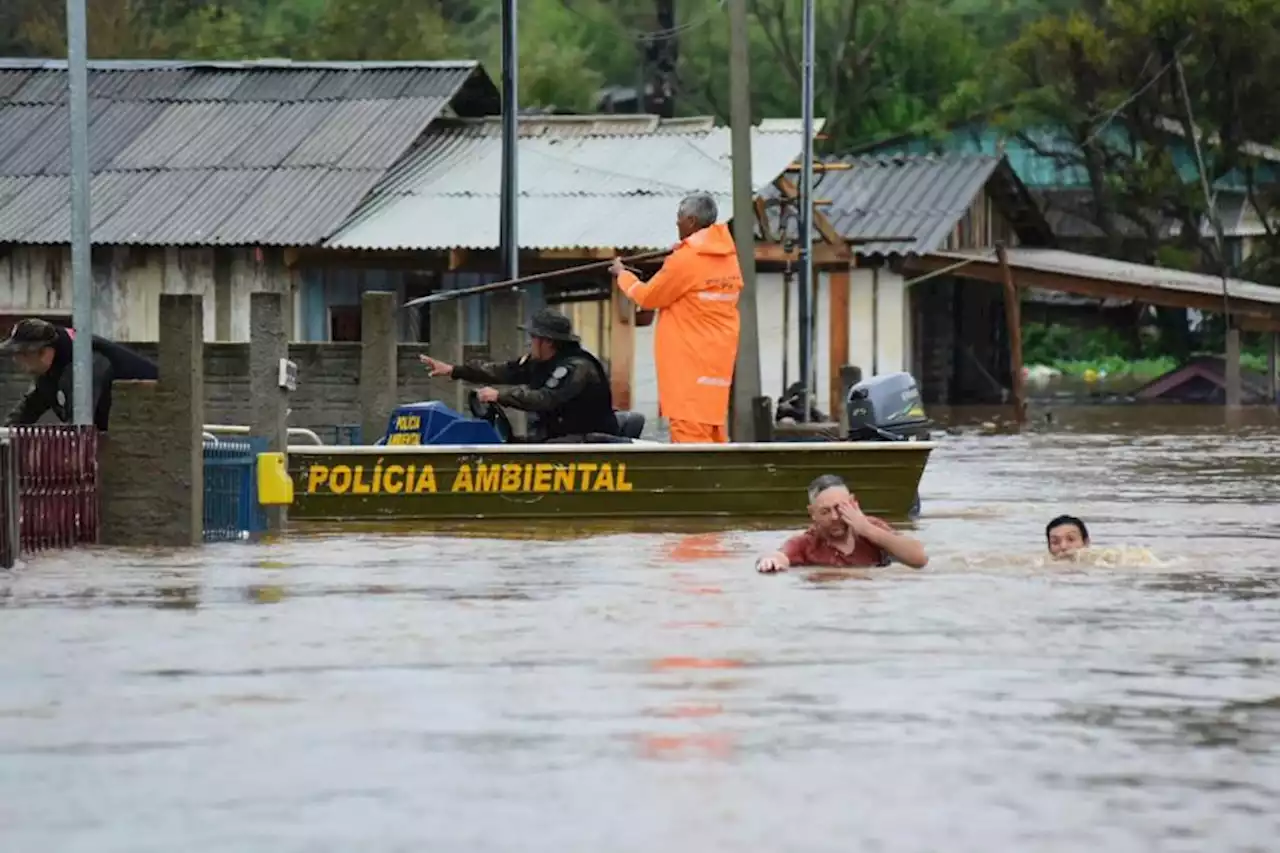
x=1122, y=272
x=190, y=153
x=107, y=193
x=921, y=197
x=590, y=181
x=896, y=196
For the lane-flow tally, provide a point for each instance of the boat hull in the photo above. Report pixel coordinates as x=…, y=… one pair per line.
x=623, y=481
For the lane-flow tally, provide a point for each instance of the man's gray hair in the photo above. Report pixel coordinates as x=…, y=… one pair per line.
x=700, y=207
x=821, y=484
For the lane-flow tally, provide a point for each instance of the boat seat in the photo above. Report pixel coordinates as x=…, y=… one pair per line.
x=630, y=424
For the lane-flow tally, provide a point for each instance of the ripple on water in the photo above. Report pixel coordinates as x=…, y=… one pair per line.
x=648, y=691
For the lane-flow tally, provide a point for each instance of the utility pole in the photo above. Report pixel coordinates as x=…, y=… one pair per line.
x=508, y=239
x=806, y=220
x=746, y=374
x=662, y=54
x=81, y=290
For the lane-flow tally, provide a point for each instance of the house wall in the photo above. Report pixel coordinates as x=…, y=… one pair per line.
x=128, y=281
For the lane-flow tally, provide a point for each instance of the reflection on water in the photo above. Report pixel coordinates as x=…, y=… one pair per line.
x=622, y=690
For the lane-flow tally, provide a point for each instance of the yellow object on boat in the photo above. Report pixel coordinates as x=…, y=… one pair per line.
x=1091, y=376
x=275, y=488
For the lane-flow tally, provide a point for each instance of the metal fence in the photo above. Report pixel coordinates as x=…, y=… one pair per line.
x=231, y=509
x=48, y=489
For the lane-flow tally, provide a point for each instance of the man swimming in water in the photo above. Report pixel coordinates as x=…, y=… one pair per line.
x=1066, y=534
x=842, y=536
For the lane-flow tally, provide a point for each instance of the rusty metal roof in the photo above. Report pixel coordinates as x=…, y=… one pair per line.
x=217, y=153
x=585, y=181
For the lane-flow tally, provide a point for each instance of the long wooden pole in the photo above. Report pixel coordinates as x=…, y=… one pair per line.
x=1013, y=319
x=446, y=295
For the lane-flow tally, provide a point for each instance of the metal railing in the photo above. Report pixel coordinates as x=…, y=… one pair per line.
x=231, y=509
x=48, y=489
x=215, y=431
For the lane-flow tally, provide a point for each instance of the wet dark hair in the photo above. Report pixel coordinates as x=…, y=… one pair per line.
x=1062, y=520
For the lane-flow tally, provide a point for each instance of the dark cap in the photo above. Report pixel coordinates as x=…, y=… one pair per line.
x=30, y=335
x=551, y=325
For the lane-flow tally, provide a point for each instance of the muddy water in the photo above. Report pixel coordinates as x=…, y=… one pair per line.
x=649, y=692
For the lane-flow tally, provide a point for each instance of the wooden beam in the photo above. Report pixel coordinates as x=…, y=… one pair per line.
x=838, y=337
x=984, y=269
x=622, y=349
x=1013, y=320
x=762, y=221
x=822, y=167
x=820, y=221
x=824, y=256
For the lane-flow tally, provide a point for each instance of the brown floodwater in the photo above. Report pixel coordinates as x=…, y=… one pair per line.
x=585, y=690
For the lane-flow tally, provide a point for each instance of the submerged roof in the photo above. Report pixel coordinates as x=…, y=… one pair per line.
x=267, y=152
x=604, y=181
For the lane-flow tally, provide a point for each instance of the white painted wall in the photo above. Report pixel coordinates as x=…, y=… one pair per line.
x=127, y=283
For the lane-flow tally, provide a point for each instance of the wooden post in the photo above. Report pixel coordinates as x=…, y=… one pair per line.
x=849, y=375
x=1013, y=318
x=762, y=419
x=622, y=349
x=838, y=355
x=1273, y=368
x=1232, y=367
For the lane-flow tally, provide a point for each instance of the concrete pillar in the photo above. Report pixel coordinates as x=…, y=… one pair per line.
x=268, y=402
x=1232, y=368
x=506, y=341
x=153, y=456
x=379, y=341
x=448, y=324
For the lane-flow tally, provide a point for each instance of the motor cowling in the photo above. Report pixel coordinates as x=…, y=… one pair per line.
x=887, y=408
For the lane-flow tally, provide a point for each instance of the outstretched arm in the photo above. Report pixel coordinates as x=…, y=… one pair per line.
x=666, y=286
x=29, y=409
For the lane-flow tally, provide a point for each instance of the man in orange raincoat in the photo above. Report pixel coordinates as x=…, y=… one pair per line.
x=696, y=344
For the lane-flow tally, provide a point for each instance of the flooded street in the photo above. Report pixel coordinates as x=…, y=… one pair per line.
x=651, y=692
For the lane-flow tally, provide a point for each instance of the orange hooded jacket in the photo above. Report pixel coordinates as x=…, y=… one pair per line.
x=696, y=343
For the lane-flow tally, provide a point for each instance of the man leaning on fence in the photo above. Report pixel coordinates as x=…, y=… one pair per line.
x=43, y=351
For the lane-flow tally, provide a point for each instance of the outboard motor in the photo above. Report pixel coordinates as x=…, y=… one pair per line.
x=887, y=408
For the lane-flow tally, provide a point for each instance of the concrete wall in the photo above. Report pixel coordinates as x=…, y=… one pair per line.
x=127, y=283
x=328, y=383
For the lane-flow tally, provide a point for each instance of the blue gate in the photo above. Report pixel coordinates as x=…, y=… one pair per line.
x=231, y=509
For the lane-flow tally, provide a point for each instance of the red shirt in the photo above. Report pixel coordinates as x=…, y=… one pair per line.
x=812, y=549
